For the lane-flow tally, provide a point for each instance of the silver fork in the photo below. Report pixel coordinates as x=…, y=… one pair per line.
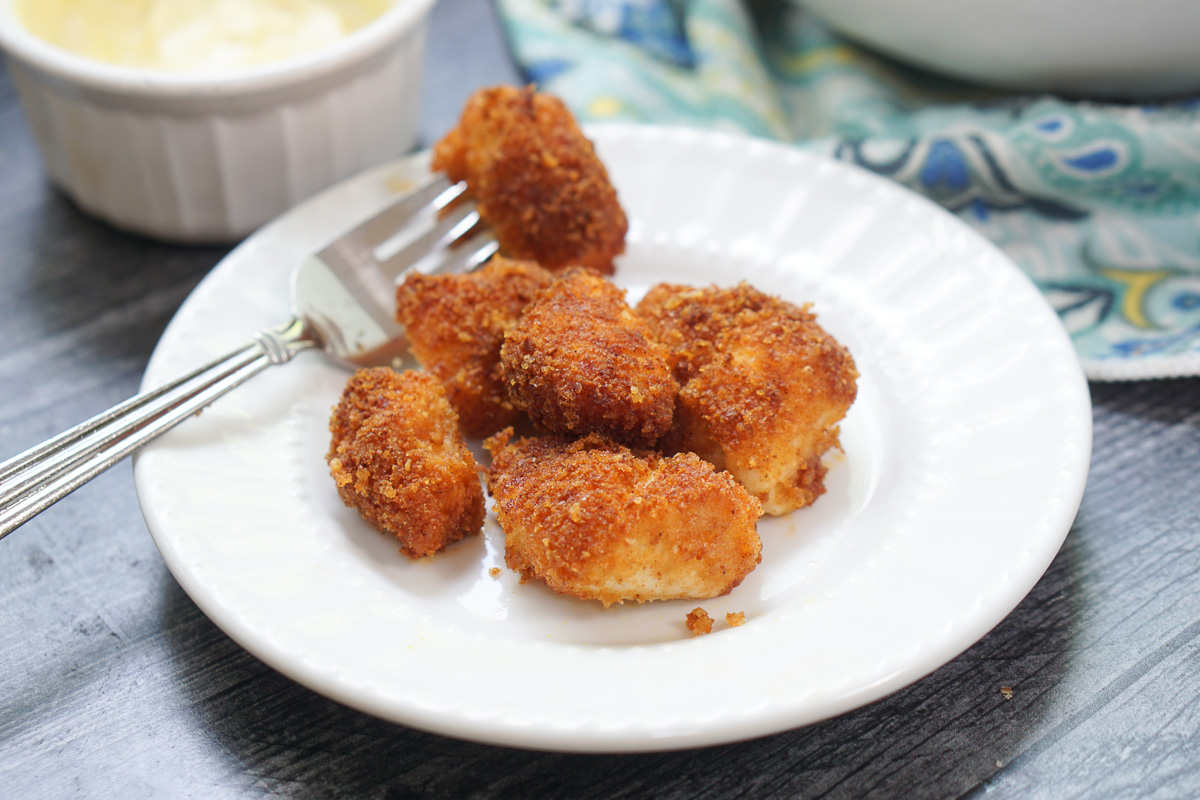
x=343, y=300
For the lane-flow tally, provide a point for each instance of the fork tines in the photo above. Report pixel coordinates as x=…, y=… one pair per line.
x=433, y=228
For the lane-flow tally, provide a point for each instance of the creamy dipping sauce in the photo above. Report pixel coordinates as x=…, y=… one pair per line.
x=195, y=35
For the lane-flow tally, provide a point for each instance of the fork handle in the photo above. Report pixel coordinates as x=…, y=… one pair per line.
x=41, y=476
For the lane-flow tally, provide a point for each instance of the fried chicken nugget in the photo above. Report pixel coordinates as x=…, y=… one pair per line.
x=398, y=458
x=598, y=521
x=536, y=179
x=455, y=325
x=764, y=387
x=580, y=361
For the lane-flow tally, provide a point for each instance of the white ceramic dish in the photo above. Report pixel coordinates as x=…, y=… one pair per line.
x=198, y=157
x=965, y=459
x=1077, y=47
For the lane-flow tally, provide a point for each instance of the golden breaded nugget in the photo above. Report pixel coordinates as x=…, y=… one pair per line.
x=580, y=361
x=536, y=179
x=598, y=521
x=765, y=387
x=455, y=325
x=397, y=456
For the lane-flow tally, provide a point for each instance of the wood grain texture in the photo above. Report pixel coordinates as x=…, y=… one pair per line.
x=114, y=685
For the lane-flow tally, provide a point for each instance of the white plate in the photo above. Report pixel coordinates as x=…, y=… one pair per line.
x=965, y=460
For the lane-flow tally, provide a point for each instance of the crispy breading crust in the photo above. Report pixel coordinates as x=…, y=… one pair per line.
x=398, y=458
x=689, y=319
x=536, y=179
x=455, y=325
x=764, y=387
x=598, y=521
x=580, y=361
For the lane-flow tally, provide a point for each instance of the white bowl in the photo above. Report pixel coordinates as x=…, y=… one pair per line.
x=210, y=157
x=1113, y=48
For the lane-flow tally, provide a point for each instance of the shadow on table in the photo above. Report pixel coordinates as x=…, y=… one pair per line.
x=939, y=737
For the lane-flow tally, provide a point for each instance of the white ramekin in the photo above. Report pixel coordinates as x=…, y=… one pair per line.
x=204, y=157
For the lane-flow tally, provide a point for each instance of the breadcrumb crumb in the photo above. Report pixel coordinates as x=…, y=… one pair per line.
x=699, y=622
x=735, y=618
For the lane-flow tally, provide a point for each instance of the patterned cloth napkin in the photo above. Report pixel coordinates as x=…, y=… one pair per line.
x=1098, y=203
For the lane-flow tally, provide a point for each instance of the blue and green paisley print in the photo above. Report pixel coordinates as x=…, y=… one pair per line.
x=1098, y=202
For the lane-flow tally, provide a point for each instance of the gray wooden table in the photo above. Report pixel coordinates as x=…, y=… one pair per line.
x=113, y=684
